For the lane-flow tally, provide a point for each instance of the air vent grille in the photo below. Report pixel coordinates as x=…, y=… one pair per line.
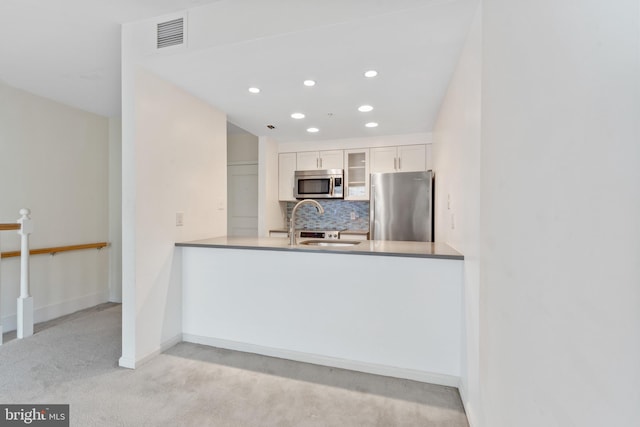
x=171, y=33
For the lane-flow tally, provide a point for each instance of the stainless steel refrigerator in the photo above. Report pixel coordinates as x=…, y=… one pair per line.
x=401, y=206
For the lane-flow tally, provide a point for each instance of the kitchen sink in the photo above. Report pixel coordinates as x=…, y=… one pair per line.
x=330, y=243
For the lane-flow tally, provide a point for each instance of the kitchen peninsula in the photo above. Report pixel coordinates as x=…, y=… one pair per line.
x=389, y=308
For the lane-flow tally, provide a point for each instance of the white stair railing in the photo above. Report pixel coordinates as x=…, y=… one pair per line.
x=24, y=227
x=25, y=300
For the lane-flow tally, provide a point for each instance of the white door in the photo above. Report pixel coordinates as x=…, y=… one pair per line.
x=242, y=195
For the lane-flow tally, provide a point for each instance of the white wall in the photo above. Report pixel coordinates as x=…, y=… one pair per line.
x=53, y=160
x=115, y=209
x=174, y=160
x=242, y=148
x=456, y=159
x=270, y=214
x=560, y=209
x=223, y=22
x=408, y=330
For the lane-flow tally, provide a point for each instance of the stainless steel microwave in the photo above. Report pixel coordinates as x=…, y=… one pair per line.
x=319, y=184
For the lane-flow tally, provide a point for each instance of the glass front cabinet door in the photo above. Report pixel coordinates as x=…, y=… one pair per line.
x=356, y=174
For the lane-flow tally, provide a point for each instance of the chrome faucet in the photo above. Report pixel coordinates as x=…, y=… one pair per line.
x=292, y=222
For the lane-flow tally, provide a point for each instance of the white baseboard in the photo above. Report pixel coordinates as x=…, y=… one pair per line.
x=115, y=298
x=127, y=362
x=353, y=365
x=170, y=343
x=163, y=347
x=465, y=403
x=471, y=419
x=52, y=311
x=131, y=363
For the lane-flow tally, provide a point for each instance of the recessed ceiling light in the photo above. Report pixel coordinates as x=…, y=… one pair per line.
x=365, y=108
x=313, y=130
x=372, y=125
x=254, y=90
x=297, y=116
x=309, y=83
x=371, y=73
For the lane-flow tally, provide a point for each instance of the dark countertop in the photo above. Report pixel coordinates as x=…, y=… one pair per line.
x=364, y=247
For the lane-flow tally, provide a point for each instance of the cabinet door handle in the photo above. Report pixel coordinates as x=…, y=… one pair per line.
x=320, y=162
x=399, y=167
x=395, y=163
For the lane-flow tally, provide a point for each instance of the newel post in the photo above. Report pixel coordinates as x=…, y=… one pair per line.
x=25, y=301
x=1, y=328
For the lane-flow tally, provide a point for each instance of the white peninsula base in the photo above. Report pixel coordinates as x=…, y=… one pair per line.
x=388, y=315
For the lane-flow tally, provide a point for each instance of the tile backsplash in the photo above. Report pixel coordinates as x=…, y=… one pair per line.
x=337, y=215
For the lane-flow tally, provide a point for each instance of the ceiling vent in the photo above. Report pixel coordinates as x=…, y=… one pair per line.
x=170, y=33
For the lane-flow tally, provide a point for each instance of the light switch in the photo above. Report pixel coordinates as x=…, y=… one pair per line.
x=179, y=219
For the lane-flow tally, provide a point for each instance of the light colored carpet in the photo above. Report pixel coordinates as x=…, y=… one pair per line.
x=74, y=360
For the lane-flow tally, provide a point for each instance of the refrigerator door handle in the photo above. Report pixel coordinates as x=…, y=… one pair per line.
x=372, y=210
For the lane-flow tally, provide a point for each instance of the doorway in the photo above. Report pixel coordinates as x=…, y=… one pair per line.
x=242, y=194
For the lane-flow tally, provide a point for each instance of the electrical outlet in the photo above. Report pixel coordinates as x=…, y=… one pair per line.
x=353, y=215
x=179, y=219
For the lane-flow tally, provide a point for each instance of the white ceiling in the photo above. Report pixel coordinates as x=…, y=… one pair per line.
x=69, y=50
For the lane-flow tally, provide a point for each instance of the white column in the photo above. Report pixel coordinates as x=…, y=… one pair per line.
x=25, y=300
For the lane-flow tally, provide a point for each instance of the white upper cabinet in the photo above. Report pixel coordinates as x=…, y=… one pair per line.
x=286, y=169
x=383, y=159
x=310, y=160
x=412, y=158
x=333, y=159
x=357, y=163
x=403, y=158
